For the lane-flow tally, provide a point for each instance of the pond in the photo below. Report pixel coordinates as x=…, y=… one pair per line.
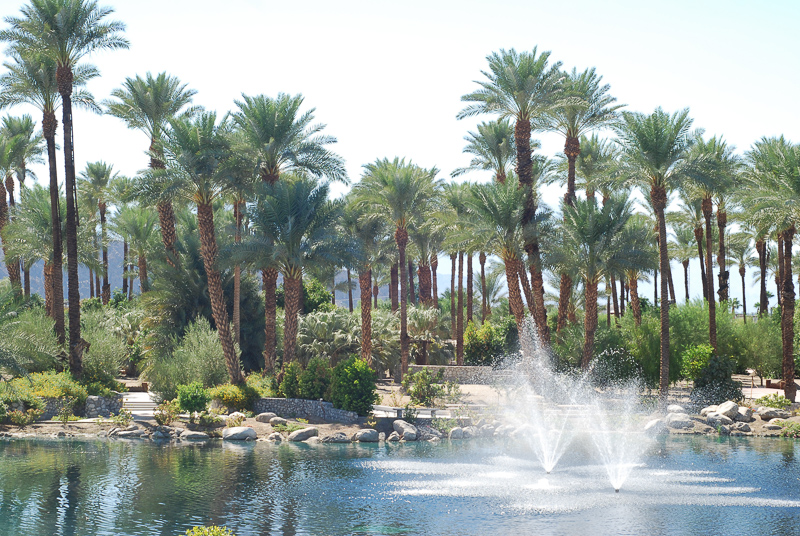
x=684, y=485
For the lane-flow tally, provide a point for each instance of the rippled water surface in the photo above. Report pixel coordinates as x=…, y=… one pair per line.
x=684, y=485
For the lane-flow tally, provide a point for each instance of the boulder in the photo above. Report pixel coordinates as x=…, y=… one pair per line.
x=486, y=430
x=503, y=430
x=709, y=409
x=405, y=429
x=275, y=436
x=382, y=436
x=277, y=420
x=655, y=426
x=742, y=427
x=313, y=440
x=470, y=431
x=456, y=433
x=236, y=415
x=744, y=414
x=192, y=435
x=679, y=421
x=675, y=408
x=724, y=430
x=302, y=435
x=770, y=426
x=265, y=417
x=729, y=409
x=767, y=414
x=131, y=433
x=394, y=436
x=717, y=419
x=239, y=433
x=367, y=435
x=338, y=437
x=158, y=434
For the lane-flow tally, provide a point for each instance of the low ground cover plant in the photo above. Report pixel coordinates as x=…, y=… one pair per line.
x=775, y=400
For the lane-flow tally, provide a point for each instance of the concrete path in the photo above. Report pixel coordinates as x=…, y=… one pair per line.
x=139, y=404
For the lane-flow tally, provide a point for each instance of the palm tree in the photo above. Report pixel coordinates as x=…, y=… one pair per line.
x=454, y=217
x=398, y=190
x=684, y=251
x=195, y=151
x=638, y=236
x=147, y=104
x=522, y=87
x=294, y=224
x=741, y=253
x=121, y=190
x=95, y=182
x=137, y=227
x=690, y=214
x=492, y=148
x=654, y=155
x=7, y=150
x=31, y=79
x=65, y=31
x=279, y=139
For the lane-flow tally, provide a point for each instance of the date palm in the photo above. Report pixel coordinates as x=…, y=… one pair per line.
x=95, y=182
x=31, y=79
x=654, y=155
x=492, y=149
x=522, y=87
x=740, y=249
x=7, y=149
x=147, y=104
x=684, y=251
x=398, y=190
x=690, y=214
x=65, y=31
x=137, y=227
x=638, y=235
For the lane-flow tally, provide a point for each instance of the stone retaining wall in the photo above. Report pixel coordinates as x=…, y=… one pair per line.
x=466, y=375
x=296, y=407
x=96, y=406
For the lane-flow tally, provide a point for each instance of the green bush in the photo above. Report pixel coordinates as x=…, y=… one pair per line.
x=166, y=412
x=332, y=335
x=353, y=386
x=315, y=380
x=315, y=296
x=774, y=400
x=424, y=387
x=239, y=397
x=714, y=385
x=290, y=382
x=32, y=339
x=491, y=342
x=265, y=386
x=49, y=384
x=694, y=360
x=108, y=349
x=193, y=397
x=20, y=418
x=3, y=412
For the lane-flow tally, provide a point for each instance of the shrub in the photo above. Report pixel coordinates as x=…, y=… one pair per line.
x=482, y=345
x=714, y=385
x=65, y=411
x=239, y=397
x=790, y=429
x=102, y=389
x=32, y=339
x=290, y=382
x=423, y=387
x=107, y=351
x=234, y=421
x=315, y=380
x=209, y=419
x=332, y=335
x=20, y=418
x=694, y=360
x=193, y=397
x=614, y=366
x=353, y=386
x=209, y=531
x=166, y=412
x=122, y=419
x=3, y=412
x=49, y=384
x=774, y=400
x=265, y=386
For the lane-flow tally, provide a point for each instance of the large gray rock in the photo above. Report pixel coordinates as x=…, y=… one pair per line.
x=503, y=430
x=277, y=420
x=239, y=433
x=456, y=433
x=679, y=421
x=131, y=433
x=265, y=417
x=302, y=435
x=193, y=435
x=367, y=435
x=742, y=427
x=394, y=436
x=338, y=437
x=767, y=414
x=275, y=436
x=470, y=432
x=655, y=426
x=406, y=430
x=709, y=409
x=675, y=408
x=770, y=426
x=729, y=409
x=744, y=414
x=717, y=419
x=486, y=430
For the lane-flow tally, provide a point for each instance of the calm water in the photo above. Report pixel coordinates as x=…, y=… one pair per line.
x=689, y=485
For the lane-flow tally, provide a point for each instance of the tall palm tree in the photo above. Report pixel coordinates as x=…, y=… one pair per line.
x=638, y=236
x=7, y=150
x=523, y=87
x=65, y=31
x=741, y=251
x=278, y=139
x=654, y=156
x=121, y=191
x=147, y=104
x=684, y=252
x=137, y=227
x=454, y=216
x=195, y=151
x=31, y=79
x=398, y=190
x=690, y=214
x=95, y=181
x=492, y=148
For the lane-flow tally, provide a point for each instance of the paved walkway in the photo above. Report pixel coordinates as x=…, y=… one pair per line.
x=139, y=404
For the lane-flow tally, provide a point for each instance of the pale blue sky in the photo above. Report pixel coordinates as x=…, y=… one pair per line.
x=387, y=77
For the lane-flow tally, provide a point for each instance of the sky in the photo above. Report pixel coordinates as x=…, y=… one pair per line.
x=387, y=77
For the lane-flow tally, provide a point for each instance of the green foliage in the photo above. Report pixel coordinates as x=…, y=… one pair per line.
x=790, y=429
x=315, y=297
x=290, y=382
x=25, y=418
x=197, y=357
x=108, y=348
x=122, y=419
x=31, y=334
x=193, y=397
x=209, y=531
x=424, y=387
x=265, y=386
x=332, y=335
x=49, y=384
x=315, y=380
x=91, y=304
x=289, y=427
x=694, y=361
x=104, y=389
x=234, y=421
x=239, y=397
x=714, y=385
x=774, y=400
x=3, y=412
x=166, y=412
x=209, y=419
x=353, y=386
x=486, y=344
x=761, y=347
x=65, y=411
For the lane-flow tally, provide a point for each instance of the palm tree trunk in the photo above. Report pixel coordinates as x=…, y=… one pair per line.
x=375, y=291
x=166, y=214
x=742, y=271
x=460, y=312
x=537, y=284
x=564, y=290
x=97, y=289
x=608, y=306
x=526, y=288
x=712, y=306
x=671, y=284
x=144, y=283
x=208, y=248
x=572, y=149
x=779, y=282
x=3, y=221
x=655, y=288
x=614, y=296
x=401, y=239
x=636, y=307
x=469, y=287
x=412, y=297
x=424, y=275
x=434, y=282
x=26, y=270
x=659, y=198
x=49, y=124
x=269, y=280
x=333, y=290
x=394, y=293
x=91, y=283
x=761, y=248
x=621, y=295
x=106, y=288
x=293, y=304
x=514, y=296
x=453, y=297
x=14, y=274
x=349, y=292
x=48, y=289
x=237, y=275
x=589, y=323
x=686, y=279
x=125, y=267
x=698, y=236
x=787, y=318
x=364, y=280
x=722, y=221
x=484, y=301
